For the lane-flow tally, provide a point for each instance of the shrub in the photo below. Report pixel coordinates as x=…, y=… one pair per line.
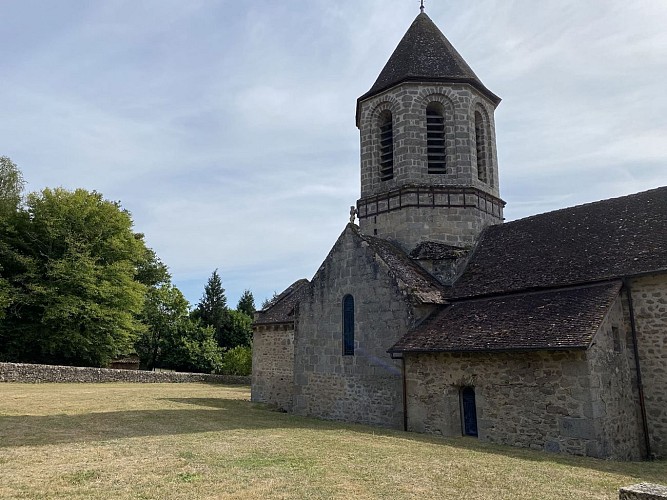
x=237, y=361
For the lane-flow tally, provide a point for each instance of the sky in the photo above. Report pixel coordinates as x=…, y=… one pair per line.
x=227, y=128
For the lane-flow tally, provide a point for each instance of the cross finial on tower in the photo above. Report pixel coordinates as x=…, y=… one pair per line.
x=422, y=7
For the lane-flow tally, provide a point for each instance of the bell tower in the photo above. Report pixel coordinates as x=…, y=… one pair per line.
x=429, y=169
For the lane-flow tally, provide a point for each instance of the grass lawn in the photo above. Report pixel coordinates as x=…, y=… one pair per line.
x=206, y=441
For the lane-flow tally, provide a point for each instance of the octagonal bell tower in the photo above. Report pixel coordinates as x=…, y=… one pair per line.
x=429, y=168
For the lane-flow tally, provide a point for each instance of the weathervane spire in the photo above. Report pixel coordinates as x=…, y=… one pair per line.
x=422, y=7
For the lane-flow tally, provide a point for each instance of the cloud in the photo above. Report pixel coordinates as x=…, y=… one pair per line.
x=228, y=129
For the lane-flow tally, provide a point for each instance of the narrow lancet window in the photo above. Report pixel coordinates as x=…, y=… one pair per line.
x=435, y=138
x=348, y=325
x=480, y=144
x=469, y=411
x=386, y=146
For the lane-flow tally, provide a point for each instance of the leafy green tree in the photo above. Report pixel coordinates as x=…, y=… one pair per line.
x=151, y=271
x=246, y=303
x=11, y=186
x=237, y=330
x=11, y=194
x=172, y=338
x=194, y=350
x=165, y=309
x=72, y=261
x=237, y=361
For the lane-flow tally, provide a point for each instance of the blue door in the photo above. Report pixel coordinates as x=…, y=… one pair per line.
x=469, y=411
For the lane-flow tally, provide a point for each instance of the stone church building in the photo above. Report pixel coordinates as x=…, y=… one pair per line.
x=432, y=315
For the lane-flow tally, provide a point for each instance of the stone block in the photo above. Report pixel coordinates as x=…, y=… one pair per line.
x=577, y=428
x=643, y=491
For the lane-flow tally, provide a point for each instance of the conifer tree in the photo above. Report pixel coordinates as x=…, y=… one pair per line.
x=246, y=303
x=212, y=307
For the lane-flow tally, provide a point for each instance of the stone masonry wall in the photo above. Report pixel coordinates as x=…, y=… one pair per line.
x=649, y=296
x=366, y=387
x=407, y=103
x=614, y=410
x=16, y=372
x=537, y=400
x=273, y=365
x=410, y=226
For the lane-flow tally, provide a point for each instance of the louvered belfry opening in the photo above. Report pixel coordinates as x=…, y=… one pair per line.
x=435, y=139
x=480, y=144
x=386, y=146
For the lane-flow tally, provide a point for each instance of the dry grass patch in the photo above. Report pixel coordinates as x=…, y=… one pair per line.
x=206, y=441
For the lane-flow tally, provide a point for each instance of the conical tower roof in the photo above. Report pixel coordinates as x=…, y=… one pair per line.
x=425, y=54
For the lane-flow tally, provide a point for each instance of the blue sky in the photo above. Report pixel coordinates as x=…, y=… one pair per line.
x=227, y=128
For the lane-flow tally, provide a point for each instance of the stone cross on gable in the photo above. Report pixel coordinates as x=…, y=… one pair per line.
x=422, y=6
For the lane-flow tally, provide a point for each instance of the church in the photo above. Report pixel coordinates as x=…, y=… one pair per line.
x=434, y=315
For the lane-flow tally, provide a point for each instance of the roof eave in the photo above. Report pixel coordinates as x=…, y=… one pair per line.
x=469, y=81
x=488, y=351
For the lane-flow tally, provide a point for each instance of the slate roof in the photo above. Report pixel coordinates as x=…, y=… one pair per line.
x=417, y=282
x=549, y=320
x=594, y=242
x=281, y=310
x=425, y=54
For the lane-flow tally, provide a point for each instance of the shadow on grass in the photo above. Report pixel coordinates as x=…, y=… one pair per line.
x=220, y=414
x=646, y=471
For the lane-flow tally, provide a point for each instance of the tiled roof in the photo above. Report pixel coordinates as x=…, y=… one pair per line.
x=434, y=250
x=281, y=310
x=425, y=54
x=550, y=320
x=417, y=282
x=594, y=242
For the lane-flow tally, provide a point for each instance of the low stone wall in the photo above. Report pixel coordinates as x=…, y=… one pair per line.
x=35, y=374
x=643, y=491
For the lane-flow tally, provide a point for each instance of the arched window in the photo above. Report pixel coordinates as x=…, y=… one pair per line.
x=348, y=325
x=435, y=138
x=480, y=144
x=386, y=146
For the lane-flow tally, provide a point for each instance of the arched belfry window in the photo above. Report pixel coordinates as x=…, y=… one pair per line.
x=435, y=138
x=481, y=147
x=386, y=146
x=348, y=325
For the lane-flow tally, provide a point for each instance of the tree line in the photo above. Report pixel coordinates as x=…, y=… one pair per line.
x=78, y=286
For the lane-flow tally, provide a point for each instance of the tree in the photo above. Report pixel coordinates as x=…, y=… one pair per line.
x=164, y=310
x=11, y=194
x=246, y=303
x=172, y=338
x=71, y=261
x=212, y=307
x=11, y=186
x=237, y=330
x=268, y=302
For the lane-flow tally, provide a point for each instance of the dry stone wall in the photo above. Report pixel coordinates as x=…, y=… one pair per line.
x=29, y=373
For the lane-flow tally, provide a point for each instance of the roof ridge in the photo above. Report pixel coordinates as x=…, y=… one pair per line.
x=581, y=205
